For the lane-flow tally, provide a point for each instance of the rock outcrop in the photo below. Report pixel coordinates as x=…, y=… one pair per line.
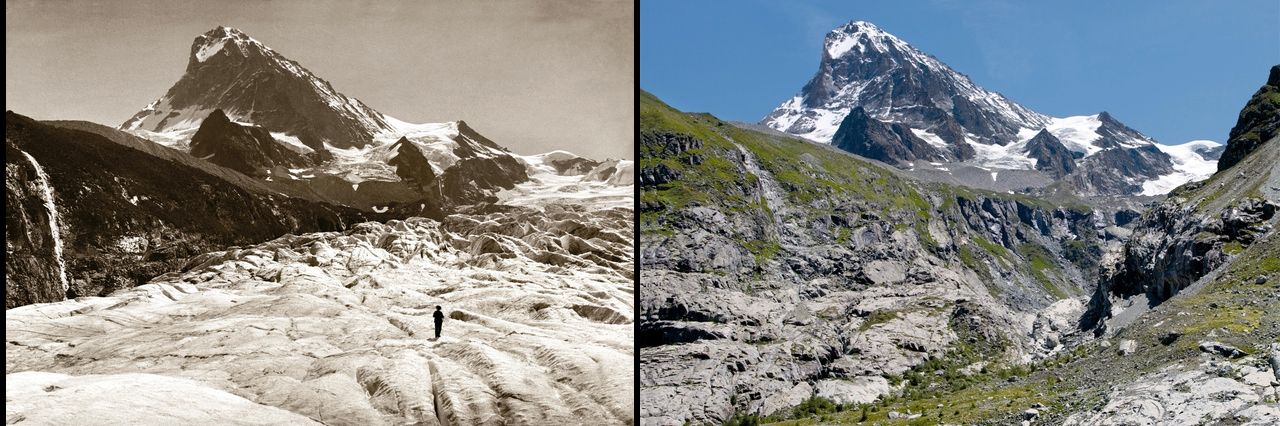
x=891, y=143
x=1259, y=121
x=773, y=268
x=126, y=215
x=1050, y=155
x=1194, y=231
x=414, y=168
x=247, y=149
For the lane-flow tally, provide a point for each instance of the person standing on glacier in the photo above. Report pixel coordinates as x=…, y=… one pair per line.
x=439, y=316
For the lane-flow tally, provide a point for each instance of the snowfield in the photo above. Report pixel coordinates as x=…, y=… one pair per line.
x=1188, y=166
x=336, y=328
x=609, y=185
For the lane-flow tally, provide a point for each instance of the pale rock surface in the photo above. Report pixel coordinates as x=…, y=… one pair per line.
x=858, y=390
x=1210, y=392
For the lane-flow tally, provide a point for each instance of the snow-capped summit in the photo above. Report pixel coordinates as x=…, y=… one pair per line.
x=914, y=107
x=860, y=36
x=862, y=65
x=350, y=148
x=250, y=82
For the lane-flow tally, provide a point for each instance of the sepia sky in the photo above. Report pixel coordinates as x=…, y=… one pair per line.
x=532, y=76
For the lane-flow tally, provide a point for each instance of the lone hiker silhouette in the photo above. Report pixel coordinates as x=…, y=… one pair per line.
x=439, y=316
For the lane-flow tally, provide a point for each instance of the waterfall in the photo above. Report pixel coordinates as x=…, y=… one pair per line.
x=47, y=195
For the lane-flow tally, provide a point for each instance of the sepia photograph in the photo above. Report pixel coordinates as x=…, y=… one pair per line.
x=339, y=213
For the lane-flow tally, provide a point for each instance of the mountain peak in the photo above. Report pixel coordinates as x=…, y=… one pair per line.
x=217, y=116
x=862, y=65
x=215, y=41
x=856, y=26
x=860, y=36
x=251, y=83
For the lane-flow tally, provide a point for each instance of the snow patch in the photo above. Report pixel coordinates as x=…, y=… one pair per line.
x=1000, y=157
x=209, y=50
x=292, y=142
x=931, y=138
x=1077, y=133
x=1188, y=166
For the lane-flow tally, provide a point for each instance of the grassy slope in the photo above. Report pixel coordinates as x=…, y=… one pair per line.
x=818, y=177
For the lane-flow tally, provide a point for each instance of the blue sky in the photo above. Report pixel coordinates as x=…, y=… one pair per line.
x=1175, y=70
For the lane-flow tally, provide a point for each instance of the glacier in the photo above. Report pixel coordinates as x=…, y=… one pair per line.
x=335, y=328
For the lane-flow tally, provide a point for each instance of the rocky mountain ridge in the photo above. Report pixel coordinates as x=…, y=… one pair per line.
x=301, y=133
x=247, y=149
x=125, y=215
x=863, y=68
x=233, y=72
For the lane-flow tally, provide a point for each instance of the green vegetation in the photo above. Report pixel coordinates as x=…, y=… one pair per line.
x=1040, y=262
x=762, y=250
x=1082, y=254
x=877, y=317
x=991, y=248
x=971, y=261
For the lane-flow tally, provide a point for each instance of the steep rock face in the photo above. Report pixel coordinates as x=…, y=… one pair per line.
x=864, y=66
x=247, y=149
x=1196, y=230
x=231, y=71
x=1119, y=170
x=484, y=167
x=31, y=273
x=773, y=269
x=475, y=179
x=891, y=143
x=128, y=216
x=1258, y=122
x=1051, y=156
x=1201, y=225
x=1191, y=233
x=414, y=168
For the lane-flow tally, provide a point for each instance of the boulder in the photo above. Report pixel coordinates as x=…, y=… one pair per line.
x=1223, y=349
x=1127, y=347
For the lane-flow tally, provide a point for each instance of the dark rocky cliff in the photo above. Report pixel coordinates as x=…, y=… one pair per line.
x=128, y=215
x=1258, y=122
